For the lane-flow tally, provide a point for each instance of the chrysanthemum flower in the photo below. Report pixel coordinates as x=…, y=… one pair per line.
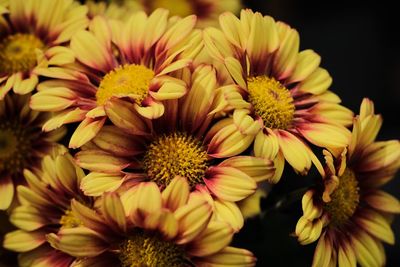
x=131, y=60
x=32, y=33
x=207, y=11
x=112, y=9
x=22, y=142
x=286, y=89
x=45, y=207
x=182, y=142
x=348, y=213
x=145, y=227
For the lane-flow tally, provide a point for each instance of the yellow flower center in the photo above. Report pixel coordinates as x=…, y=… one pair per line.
x=271, y=101
x=17, y=53
x=132, y=80
x=68, y=220
x=180, y=8
x=344, y=200
x=175, y=154
x=15, y=144
x=143, y=249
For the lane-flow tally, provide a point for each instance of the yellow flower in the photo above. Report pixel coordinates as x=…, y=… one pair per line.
x=22, y=142
x=348, y=213
x=112, y=9
x=286, y=89
x=45, y=207
x=32, y=35
x=172, y=229
x=182, y=142
x=132, y=61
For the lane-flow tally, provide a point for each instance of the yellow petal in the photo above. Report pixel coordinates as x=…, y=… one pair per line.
x=229, y=256
x=27, y=218
x=383, y=201
x=256, y=167
x=215, y=237
x=65, y=117
x=317, y=82
x=295, y=151
x=21, y=241
x=95, y=184
x=72, y=240
x=307, y=62
x=229, y=212
x=113, y=211
x=141, y=206
x=101, y=161
x=176, y=194
x=229, y=183
x=376, y=225
x=6, y=192
x=86, y=131
x=192, y=219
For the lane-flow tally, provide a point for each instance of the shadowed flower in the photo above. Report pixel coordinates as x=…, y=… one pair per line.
x=348, y=213
x=173, y=229
x=45, y=207
x=32, y=34
x=182, y=142
x=112, y=9
x=22, y=142
x=132, y=61
x=286, y=89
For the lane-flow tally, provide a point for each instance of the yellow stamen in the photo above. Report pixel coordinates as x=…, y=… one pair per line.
x=175, y=154
x=17, y=53
x=15, y=146
x=69, y=220
x=271, y=101
x=131, y=80
x=180, y=8
x=143, y=249
x=344, y=200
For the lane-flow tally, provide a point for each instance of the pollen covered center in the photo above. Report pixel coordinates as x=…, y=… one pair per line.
x=15, y=144
x=69, y=220
x=271, y=101
x=17, y=53
x=143, y=249
x=344, y=200
x=133, y=80
x=180, y=8
x=175, y=154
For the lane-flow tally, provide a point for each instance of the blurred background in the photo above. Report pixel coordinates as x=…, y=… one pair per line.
x=360, y=47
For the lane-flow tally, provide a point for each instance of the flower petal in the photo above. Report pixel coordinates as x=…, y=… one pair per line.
x=6, y=192
x=21, y=241
x=95, y=184
x=176, y=194
x=86, y=131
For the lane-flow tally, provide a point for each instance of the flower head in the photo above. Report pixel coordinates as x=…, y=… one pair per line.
x=32, y=35
x=285, y=88
x=182, y=142
x=45, y=207
x=348, y=213
x=22, y=142
x=173, y=229
x=133, y=61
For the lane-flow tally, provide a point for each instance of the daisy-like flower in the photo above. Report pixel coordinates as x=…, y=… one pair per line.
x=131, y=60
x=45, y=207
x=286, y=89
x=22, y=142
x=31, y=36
x=172, y=229
x=207, y=11
x=113, y=9
x=182, y=142
x=348, y=213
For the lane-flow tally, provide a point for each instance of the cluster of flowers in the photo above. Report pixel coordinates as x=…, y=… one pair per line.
x=175, y=128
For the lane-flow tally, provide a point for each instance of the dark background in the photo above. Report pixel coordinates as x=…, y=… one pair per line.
x=359, y=44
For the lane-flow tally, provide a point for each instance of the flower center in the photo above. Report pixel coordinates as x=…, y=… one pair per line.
x=344, y=200
x=271, y=101
x=17, y=53
x=175, y=154
x=143, y=249
x=132, y=80
x=180, y=8
x=68, y=220
x=15, y=143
